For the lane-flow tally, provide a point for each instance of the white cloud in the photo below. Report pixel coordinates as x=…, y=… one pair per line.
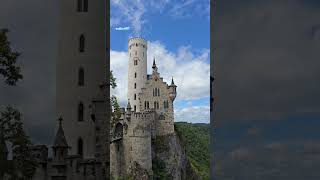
x=194, y=114
x=134, y=11
x=190, y=71
x=122, y=28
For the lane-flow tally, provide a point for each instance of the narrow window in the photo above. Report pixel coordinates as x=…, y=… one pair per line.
x=81, y=43
x=142, y=54
x=135, y=85
x=79, y=6
x=80, y=111
x=135, y=108
x=81, y=77
x=155, y=105
x=80, y=147
x=145, y=105
x=135, y=97
x=164, y=104
x=85, y=6
x=158, y=92
x=135, y=75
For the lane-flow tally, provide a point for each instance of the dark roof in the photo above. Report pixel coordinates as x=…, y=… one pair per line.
x=60, y=140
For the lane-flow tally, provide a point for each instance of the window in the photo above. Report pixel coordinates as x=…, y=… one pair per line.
x=135, y=85
x=79, y=6
x=135, y=75
x=143, y=54
x=135, y=62
x=80, y=111
x=135, y=97
x=82, y=5
x=157, y=105
x=147, y=104
x=85, y=6
x=81, y=43
x=81, y=77
x=135, y=108
x=158, y=92
x=80, y=146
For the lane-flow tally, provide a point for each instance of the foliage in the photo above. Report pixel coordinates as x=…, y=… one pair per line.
x=159, y=170
x=116, y=112
x=8, y=68
x=12, y=128
x=195, y=137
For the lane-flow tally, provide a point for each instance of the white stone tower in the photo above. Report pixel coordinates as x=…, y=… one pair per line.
x=137, y=70
x=81, y=71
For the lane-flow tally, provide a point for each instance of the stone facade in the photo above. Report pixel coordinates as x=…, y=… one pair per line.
x=149, y=114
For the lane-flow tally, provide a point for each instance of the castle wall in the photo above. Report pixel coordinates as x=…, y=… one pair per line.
x=162, y=126
x=93, y=60
x=137, y=49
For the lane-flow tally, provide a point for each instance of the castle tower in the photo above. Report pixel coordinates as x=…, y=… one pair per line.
x=137, y=70
x=80, y=70
x=60, y=146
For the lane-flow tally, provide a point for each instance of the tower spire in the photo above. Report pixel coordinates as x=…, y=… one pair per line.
x=154, y=63
x=60, y=139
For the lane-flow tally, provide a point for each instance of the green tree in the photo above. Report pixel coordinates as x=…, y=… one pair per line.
x=8, y=68
x=116, y=112
x=11, y=126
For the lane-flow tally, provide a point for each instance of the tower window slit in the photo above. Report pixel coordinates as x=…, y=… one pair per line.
x=81, y=43
x=81, y=77
x=80, y=111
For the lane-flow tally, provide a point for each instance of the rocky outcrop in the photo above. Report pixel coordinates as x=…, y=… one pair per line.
x=170, y=160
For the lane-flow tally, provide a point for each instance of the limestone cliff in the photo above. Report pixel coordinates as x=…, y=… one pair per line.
x=170, y=159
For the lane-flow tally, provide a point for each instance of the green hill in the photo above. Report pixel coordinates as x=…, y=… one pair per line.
x=195, y=138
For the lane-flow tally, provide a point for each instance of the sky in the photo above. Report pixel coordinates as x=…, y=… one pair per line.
x=177, y=39
x=268, y=103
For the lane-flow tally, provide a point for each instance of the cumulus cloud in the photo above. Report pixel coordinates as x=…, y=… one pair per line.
x=191, y=86
x=193, y=114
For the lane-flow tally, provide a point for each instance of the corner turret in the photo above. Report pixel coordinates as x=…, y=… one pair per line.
x=128, y=113
x=60, y=146
x=173, y=90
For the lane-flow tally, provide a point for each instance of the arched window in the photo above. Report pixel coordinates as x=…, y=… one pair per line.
x=147, y=104
x=81, y=43
x=135, y=75
x=157, y=105
x=85, y=6
x=79, y=6
x=135, y=85
x=135, y=97
x=80, y=146
x=81, y=77
x=80, y=111
x=135, y=108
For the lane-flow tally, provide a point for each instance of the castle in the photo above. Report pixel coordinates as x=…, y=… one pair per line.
x=148, y=115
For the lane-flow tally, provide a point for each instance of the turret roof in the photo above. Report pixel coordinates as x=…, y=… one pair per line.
x=60, y=139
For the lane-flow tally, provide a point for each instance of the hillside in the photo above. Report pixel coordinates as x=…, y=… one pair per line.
x=195, y=138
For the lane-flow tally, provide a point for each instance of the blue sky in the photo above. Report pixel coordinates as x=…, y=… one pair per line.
x=178, y=34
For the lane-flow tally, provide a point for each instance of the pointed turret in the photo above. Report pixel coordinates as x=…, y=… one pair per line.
x=173, y=90
x=60, y=146
x=154, y=63
x=3, y=148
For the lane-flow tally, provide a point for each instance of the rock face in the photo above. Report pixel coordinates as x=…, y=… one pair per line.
x=170, y=159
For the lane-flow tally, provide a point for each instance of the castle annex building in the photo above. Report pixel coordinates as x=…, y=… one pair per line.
x=148, y=115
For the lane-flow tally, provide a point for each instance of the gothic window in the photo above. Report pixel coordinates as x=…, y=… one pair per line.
x=81, y=77
x=135, y=85
x=80, y=146
x=135, y=62
x=81, y=43
x=135, y=75
x=80, y=111
x=82, y=5
x=85, y=6
x=135, y=107
x=135, y=97
x=147, y=104
x=79, y=6
x=155, y=105
x=136, y=45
